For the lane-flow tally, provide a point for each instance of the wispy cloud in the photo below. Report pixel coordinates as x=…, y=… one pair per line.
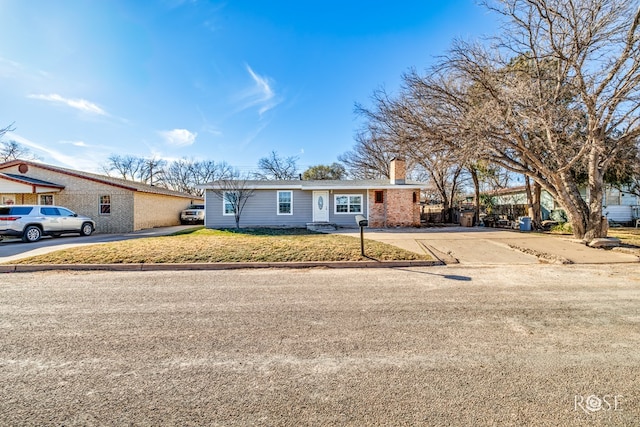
x=13, y=69
x=66, y=159
x=260, y=94
x=76, y=143
x=78, y=104
x=178, y=137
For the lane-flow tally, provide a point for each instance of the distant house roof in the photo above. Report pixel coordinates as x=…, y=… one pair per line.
x=116, y=182
x=321, y=184
x=509, y=190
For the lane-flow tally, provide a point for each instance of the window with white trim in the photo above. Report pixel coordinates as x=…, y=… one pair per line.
x=285, y=202
x=229, y=202
x=348, y=203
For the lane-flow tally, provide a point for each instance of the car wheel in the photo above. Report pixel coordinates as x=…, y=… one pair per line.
x=86, y=229
x=31, y=234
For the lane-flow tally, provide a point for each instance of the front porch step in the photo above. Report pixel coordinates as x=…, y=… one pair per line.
x=321, y=226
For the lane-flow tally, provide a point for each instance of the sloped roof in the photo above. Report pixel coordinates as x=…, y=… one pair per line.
x=321, y=184
x=103, y=179
x=29, y=181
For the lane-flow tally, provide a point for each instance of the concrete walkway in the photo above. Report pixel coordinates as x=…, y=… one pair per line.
x=489, y=246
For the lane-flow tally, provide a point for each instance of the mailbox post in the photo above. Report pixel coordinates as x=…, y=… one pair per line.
x=362, y=222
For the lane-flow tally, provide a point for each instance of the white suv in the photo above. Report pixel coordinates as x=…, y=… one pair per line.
x=31, y=222
x=192, y=215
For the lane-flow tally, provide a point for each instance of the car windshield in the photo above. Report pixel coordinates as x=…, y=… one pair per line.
x=196, y=207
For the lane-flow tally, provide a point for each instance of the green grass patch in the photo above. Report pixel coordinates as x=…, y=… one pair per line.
x=243, y=245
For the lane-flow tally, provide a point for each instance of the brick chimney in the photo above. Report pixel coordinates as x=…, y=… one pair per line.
x=397, y=171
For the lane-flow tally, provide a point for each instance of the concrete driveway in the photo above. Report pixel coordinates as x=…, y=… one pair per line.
x=490, y=246
x=14, y=249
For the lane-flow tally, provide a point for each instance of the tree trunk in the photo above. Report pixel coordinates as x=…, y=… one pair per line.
x=574, y=205
x=594, y=226
x=533, y=203
x=476, y=198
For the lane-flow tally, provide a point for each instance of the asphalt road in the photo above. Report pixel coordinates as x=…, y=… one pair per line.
x=458, y=345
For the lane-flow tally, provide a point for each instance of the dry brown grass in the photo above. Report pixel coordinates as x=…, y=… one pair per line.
x=205, y=246
x=627, y=235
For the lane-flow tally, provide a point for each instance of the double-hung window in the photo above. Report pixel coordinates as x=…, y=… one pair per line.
x=348, y=203
x=229, y=202
x=285, y=202
x=105, y=205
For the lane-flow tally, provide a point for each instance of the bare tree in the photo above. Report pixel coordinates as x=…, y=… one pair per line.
x=186, y=174
x=126, y=167
x=148, y=170
x=412, y=128
x=234, y=194
x=371, y=155
x=12, y=150
x=276, y=167
x=570, y=97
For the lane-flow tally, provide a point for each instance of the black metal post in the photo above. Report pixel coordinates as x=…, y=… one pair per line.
x=362, y=241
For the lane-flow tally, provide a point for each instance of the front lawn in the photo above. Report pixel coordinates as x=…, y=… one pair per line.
x=627, y=235
x=244, y=245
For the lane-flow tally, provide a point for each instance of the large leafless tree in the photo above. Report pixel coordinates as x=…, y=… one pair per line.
x=187, y=174
x=276, y=167
x=183, y=175
x=584, y=109
x=559, y=91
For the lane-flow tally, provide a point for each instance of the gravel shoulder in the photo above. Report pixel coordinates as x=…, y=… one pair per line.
x=455, y=345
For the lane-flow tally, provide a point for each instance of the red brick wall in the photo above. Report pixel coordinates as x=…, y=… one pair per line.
x=397, y=210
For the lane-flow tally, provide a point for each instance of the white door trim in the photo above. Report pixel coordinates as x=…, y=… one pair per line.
x=321, y=206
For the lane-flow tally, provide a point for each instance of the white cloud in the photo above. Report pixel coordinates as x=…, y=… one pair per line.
x=179, y=137
x=260, y=95
x=76, y=143
x=79, y=104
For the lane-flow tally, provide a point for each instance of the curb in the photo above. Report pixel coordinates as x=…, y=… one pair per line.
x=25, y=268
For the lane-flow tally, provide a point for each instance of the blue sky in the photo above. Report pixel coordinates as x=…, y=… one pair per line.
x=224, y=81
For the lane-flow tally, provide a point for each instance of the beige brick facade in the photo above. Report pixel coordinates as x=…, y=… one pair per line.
x=130, y=208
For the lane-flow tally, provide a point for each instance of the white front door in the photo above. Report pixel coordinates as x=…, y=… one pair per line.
x=320, y=206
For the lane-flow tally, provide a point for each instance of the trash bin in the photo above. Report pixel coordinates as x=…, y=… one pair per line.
x=525, y=223
x=466, y=219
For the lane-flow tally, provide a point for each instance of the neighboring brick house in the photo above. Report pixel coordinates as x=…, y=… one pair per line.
x=319, y=203
x=117, y=205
